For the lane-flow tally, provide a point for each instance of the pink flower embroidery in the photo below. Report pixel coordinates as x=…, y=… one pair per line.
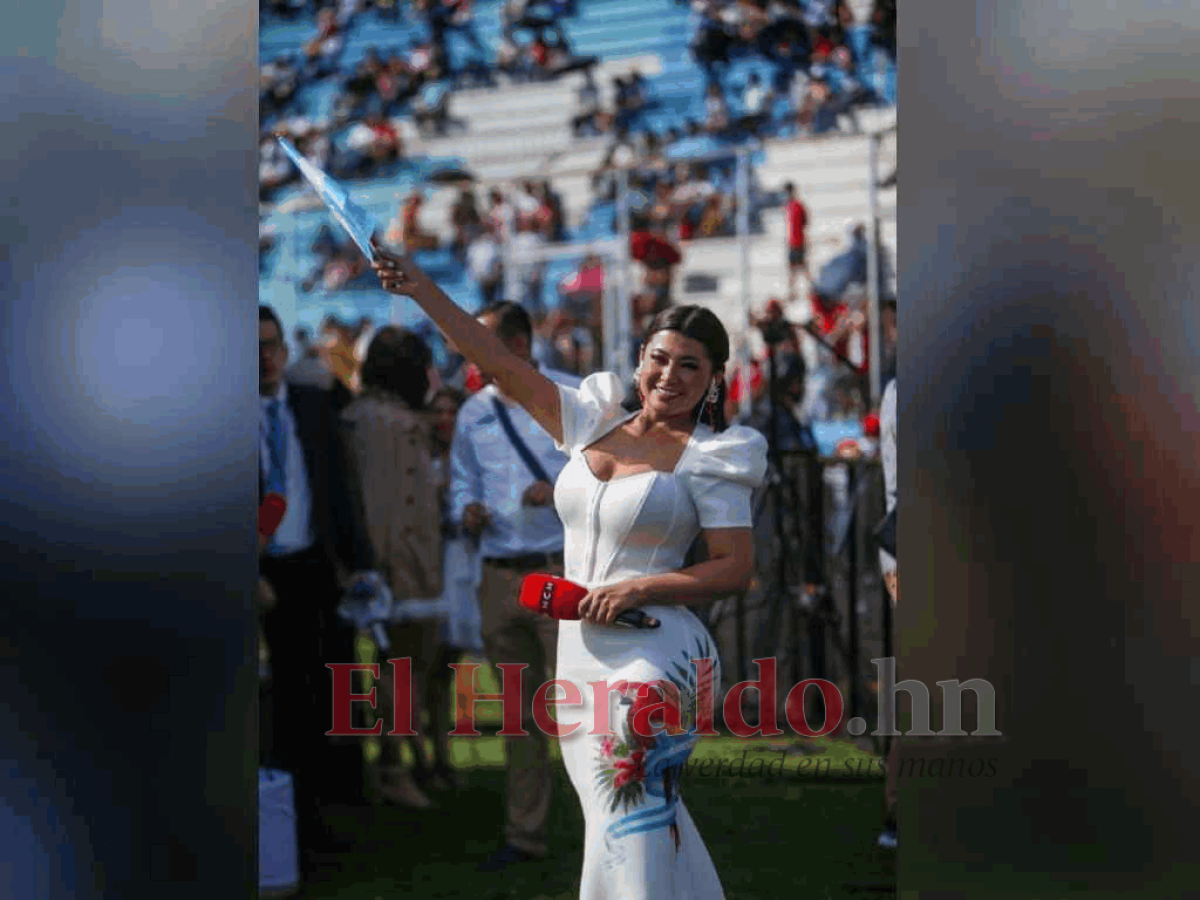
x=606, y=747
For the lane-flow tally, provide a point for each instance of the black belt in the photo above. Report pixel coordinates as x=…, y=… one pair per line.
x=529, y=561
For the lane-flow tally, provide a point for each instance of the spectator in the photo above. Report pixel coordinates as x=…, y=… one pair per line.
x=323, y=51
x=755, y=105
x=485, y=265
x=461, y=21
x=850, y=267
x=716, y=110
x=316, y=144
x=517, y=537
x=528, y=275
x=713, y=221
x=363, y=334
x=465, y=221
x=796, y=216
x=370, y=144
x=575, y=327
x=360, y=87
x=388, y=443
x=310, y=368
x=887, y=364
x=321, y=534
x=525, y=204
x=406, y=229
x=883, y=17
x=460, y=630
x=788, y=432
x=395, y=84
x=267, y=241
x=550, y=218
x=663, y=213
x=651, y=248
x=710, y=47
x=280, y=81
x=639, y=90
x=584, y=123
x=502, y=214
x=337, y=350
x=510, y=60
x=846, y=91
x=275, y=170
x=658, y=257
x=654, y=161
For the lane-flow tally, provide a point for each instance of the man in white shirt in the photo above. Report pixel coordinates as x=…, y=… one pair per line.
x=528, y=275
x=496, y=494
x=484, y=264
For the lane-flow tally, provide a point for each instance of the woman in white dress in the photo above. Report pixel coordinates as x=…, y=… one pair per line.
x=640, y=487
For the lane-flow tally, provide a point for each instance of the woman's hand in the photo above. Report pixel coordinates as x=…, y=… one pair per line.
x=603, y=605
x=398, y=274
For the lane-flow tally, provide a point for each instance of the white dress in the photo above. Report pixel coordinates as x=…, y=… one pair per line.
x=641, y=843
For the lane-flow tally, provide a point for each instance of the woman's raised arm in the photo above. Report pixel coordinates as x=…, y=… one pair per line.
x=515, y=377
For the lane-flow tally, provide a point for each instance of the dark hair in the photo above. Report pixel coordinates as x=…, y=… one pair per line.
x=699, y=324
x=511, y=320
x=790, y=188
x=266, y=314
x=398, y=363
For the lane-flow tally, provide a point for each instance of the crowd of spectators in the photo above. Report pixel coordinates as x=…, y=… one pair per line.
x=823, y=65
x=359, y=138
x=819, y=55
x=822, y=61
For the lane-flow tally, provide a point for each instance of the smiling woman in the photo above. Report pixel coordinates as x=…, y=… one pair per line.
x=641, y=485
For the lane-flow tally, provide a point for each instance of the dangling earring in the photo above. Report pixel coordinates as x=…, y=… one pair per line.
x=711, y=400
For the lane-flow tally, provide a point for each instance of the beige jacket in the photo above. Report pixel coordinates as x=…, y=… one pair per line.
x=389, y=447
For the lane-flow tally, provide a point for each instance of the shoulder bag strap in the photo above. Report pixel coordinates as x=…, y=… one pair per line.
x=523, y=451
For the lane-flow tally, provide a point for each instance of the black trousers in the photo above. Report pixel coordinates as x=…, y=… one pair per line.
x=303, y=634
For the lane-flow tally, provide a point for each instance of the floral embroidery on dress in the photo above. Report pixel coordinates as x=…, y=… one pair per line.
x=640, y=773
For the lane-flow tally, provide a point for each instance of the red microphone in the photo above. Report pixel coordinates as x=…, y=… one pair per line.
x=559, y=598
x=270, y=514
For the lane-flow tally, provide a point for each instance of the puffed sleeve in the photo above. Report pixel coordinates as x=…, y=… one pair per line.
x=590, y=410
x=722, y=474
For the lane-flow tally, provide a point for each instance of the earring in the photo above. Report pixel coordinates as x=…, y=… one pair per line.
x=712, y=394
x=637, y=383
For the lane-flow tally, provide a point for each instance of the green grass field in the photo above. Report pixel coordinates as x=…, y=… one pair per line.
x=801, y=821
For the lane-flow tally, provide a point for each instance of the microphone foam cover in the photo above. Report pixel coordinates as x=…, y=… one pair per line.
x=551, y=596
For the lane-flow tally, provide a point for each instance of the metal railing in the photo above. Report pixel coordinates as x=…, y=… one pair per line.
x=818, y=607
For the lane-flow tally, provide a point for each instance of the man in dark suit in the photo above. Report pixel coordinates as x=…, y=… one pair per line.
x=320, y=547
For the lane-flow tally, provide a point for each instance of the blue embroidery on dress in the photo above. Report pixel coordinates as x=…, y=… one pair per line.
x=639, y=770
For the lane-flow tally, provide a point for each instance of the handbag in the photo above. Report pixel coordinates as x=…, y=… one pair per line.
x=531, y=463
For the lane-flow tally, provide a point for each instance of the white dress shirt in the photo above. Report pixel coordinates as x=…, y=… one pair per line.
x=295, y=531
x=485, y=468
